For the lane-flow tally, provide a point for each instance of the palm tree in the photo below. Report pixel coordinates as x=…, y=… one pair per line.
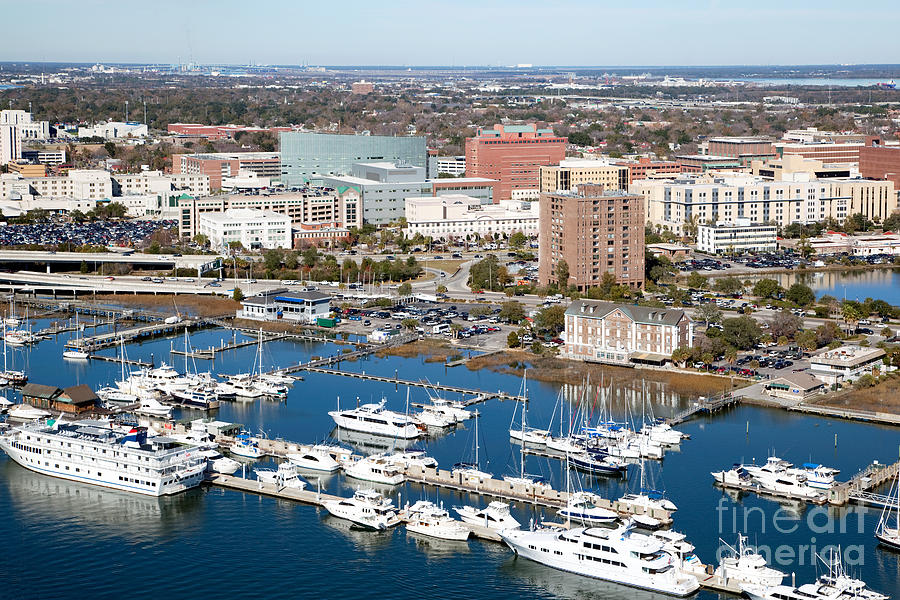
x=851, y=313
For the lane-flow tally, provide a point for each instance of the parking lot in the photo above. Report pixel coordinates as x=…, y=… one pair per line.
x=100, y=233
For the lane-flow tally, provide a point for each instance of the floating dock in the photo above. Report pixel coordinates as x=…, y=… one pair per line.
x=705, y=406
x=210, y=353
x=112, y=338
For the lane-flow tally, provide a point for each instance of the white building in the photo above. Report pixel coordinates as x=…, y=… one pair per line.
x=846, y=364
x=10, y=144
x=44, y=157
x=458, y=215
x=114, y=130
x=157, y=182
x=303, y=307
x=254, y=229
x=736, y=238
x=449, y=165
x=28, y=129
x=245, y=180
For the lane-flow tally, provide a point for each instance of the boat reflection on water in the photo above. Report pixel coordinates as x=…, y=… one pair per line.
x=369, y=443
x=104, y=511
x=362, y=538
x=560, y=584
x=436, y=547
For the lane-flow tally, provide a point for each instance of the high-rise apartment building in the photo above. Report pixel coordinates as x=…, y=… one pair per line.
x=513, y=154
x=596, y=232
x=574, y=172
x=308, y=157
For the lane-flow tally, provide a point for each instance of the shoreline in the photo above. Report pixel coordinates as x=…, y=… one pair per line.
x=760, y=274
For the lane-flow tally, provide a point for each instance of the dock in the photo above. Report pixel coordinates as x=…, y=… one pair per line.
x=848, y=414
x=210, y=353
x=112, y=338
x=859, y=488
x=704, y=406
x=118, y=359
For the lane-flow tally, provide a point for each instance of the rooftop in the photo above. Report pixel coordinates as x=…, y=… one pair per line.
x=847, y=356
x=639, y=314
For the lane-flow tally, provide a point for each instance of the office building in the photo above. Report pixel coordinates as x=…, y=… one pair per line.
x=114, y=130
x=157, y=182
x=28, y=128
x=695, y=199
x=827, y=152
x=644, y=168
x=309, y=157
x=796, y=168
x=384, y=187
x=227, y=164
x=739, y=237
x=595, y=232
x=338, y=208
x=27, y=170
x=574, y=172
x=745, y=149
x=701, y=163
x=456, y=216
x=10, y=144
x=304, y=306
x=446, y=165
x=513, y=155
x=880, y=162
x=362, y=87
x=253, y=229
x=846, y=364
x=604, y=332
x=44, y=157
x=812, y=135
x=219, y=132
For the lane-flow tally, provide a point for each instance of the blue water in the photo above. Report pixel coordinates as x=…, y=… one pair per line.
x=878, y=284
x=74, y=541
x=819, y=81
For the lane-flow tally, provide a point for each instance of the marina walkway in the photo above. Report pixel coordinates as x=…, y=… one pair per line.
x=704, y=406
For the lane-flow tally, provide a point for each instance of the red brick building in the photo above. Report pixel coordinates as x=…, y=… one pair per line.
x=880, y=162
x=595, y=232
x=219, y=165
x=644, y=167
x=218, y=132
x=744, y=148
x=513, y=155
x=827, y=152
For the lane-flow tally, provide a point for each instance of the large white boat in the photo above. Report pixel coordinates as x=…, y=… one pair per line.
x=105, y=454
x=791, y=484
x=154, y=408
x=375, y=469
x=455, y=409
x=217, y=463
x=619, y=555
x=410, y=458
x=817, y=476
x=744, y=566
x=285, y=476
x=27, y=412
x=772, y=466
x=736, y=476
x=662, y=433
x=582, y=508
x=888, y=529
x=316, y=458
x=245, y=446
x=431, y=417
x=495, y=516
x=375, y=419
x=835, y=585
x=367, y=508
x=429, y=519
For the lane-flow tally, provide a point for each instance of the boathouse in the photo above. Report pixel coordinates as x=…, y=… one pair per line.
x=75, y=400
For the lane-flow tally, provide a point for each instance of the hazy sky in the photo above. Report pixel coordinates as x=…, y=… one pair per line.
x=457, y=32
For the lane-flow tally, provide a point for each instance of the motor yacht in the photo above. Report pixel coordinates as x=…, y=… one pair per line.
x=285, y=476
x=744, y=566
x=153, y=408
x=245, y=446
x=495, y=516
x=367, y=508
x=26, y=412
x=736, y=476
x=316, y=458
x=412, y=457
x=455, y=409
x=663, y=433
x=75, y=355
x=619, y=555
x=582, y=508
x=375, y=469
x=649, y=499
x=5, y=405
x=598, y=464
x=772, y=466
x=239, y=388
x=817, y=476
x=835, y=585
x=793, y=485
x=375, y=419
x=218, y=463
x=431, y=417
x=428, y=519
x=567, y=444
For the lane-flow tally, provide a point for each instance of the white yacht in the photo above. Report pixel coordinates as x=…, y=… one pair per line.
x=618, y=555
x=817, y=476
x=455, y=409
x=888, y=529
x=566, y=444
x=5, y=405
x=788, y=484
x=772, y=466
x=495, y=516
x=277, y=378
x=582, y=508
x=285, y=476
x=736, y=476
x=239, y=388
x=245, y=446
x=649, y=499
x=105, y=454
x=663, y=433
x=217, y=463
x=316, y=458
x=375, y=469
x=154, y=408
x=412, y=457
x=531, y=436
x=744, y=566
x=431, y=417
x=428, y=519
x=375, y=419
x=835, y=585
x=27, y=412
x=367, y=508
x=75, y=355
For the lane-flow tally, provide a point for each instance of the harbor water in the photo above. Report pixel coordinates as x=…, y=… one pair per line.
x=67, y=540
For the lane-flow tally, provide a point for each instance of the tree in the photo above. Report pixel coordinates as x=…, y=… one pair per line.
x=801, y=295
x=741, y=332
x=84, y=267
x=562, y=274
x=551, y=319
x=238, y=294
x=709, y=313
x=201, y=239
x=512, y=340
x=479, y=311
x=110, y=148
x=766, y=288
x=483, y=274
x=785, y=324
x=681, y=355
x=696, y=281
x=728, y=285
x=537, y=347
x=517, y=240
x=808, y=340
x=580, y=138
x=887, y=332
x=405, y=289
x=512, y=312
x=410, y=324
x=441, y=289
x=272, y=260
x=731, y=355
x=852, y=312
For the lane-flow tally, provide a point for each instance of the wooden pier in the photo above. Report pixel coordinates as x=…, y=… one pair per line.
x=848, y=414
x=116, y=359
x=210, y=353
x=859, y=488
x=705, y=406
x=112, y=338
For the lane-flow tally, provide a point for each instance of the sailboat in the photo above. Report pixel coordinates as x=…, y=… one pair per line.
x=115, y=395
x=8, y=376
x=886, y=532
x=528, y=435
x=470, y=471
x=12, y=319
x=76, y=353
x=523, y=479
x=648, y=498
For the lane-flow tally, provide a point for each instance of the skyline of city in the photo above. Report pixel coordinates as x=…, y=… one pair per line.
x=499, y=34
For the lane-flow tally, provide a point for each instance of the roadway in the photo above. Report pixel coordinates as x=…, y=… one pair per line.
x=164, y=261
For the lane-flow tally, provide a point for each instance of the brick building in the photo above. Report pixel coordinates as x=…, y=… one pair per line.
x=644, y=168
x=743, y=148
x=513, y=154
x=598, y=331
x=219, y=132
x=880, y=162
x=595, y=232
x=573, y=172
x=224, y=164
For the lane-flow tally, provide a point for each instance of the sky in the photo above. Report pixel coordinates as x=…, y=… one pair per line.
x=453, y=33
